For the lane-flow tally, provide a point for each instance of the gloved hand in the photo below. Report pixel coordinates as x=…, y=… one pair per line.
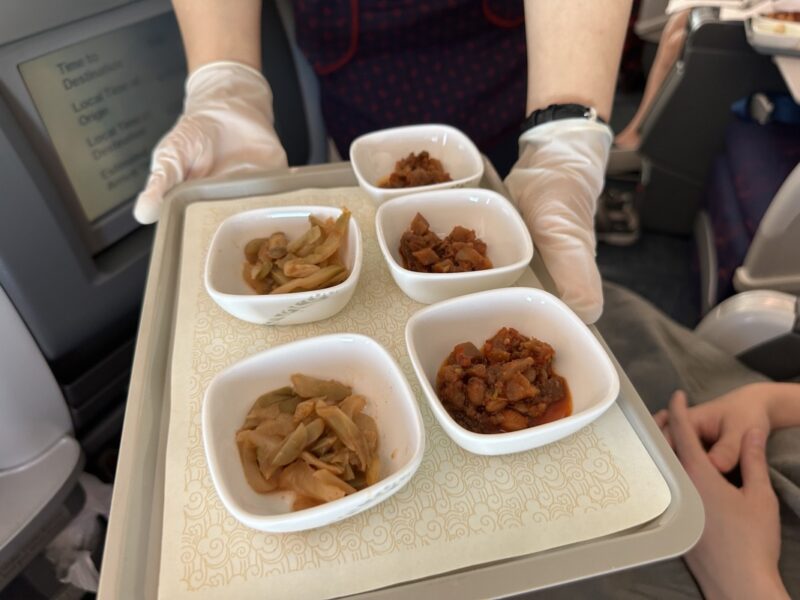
x=226, y=128
x=556, y=183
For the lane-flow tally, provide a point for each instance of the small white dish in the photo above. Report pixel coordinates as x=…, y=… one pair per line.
x=774, y=36
x=770, y=25
x=495, y=221
x=227, y=287
x=432, y=333
x=374, y=156
x=355, y=360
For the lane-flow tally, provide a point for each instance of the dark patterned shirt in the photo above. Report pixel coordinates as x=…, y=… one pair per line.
x=386, y=63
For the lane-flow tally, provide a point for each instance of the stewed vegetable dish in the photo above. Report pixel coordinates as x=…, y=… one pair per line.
x=312, y=261
x=312, y=438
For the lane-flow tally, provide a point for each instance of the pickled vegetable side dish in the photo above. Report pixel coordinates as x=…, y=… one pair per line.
x=311, y=438
x=277, y=265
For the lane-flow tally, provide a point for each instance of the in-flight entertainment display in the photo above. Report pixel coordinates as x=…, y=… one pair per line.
x=105, y=103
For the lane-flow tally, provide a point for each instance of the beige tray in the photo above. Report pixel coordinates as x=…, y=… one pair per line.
x=134, y=548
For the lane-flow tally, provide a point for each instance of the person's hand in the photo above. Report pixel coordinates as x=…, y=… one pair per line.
x=737, y=555
x=556, y=183
x=722, y=423
x=226, y=128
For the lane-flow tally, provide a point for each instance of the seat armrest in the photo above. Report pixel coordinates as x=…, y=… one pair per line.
x=761, y=328
x=749, y=319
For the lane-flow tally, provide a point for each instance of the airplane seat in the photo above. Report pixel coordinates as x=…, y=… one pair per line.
x=651, y=20
x=748, y=233
x=40, y=460
x=684, y=131
x=761, y=328
x=47, y=433
x=748, y=241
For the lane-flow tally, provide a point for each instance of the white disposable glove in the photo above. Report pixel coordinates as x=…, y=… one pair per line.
x=226, y=128
x=556, y=183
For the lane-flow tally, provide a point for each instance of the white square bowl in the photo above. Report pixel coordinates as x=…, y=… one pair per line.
x=226, y=285
x=495, y=221
x=355, y=360
x=374, y=155
x=432, y=333
x=774, y=36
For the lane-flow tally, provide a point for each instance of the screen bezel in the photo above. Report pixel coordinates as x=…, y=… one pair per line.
x=117, y=223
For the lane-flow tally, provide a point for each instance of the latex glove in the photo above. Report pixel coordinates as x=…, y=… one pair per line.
x=737, y=555
x=556, y=183
x=723, y=422
x=226, y=128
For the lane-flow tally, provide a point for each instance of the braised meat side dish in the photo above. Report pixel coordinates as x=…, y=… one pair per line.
x=786, y=16
x=507, y=385
x=423, y=251
x=415, y=170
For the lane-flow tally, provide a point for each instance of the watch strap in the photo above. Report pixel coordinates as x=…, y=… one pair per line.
x=557, y=112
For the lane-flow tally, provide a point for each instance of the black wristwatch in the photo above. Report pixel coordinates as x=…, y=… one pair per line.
x=556, y=112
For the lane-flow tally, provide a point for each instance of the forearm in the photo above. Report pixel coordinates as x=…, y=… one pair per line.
x=215, y=30
x=574, y=50
x=784, y=403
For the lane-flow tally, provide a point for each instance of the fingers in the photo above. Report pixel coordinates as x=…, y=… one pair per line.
x=178, y=152
x=686, y=442
x=662, y=420
x=148, y=204
x=667, y=436
x=567, y=249
x=753, y=461
x=724, y=454
x=578, y=282
x=706, y=422
x=555, y=184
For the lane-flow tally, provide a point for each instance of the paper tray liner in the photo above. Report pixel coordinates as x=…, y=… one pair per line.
x=459, y=510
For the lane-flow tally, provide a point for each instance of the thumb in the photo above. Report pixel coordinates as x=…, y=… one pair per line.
x=567, y=250
x=724, y=454
x=181, y=150
x=148, y=204
x=753, y=461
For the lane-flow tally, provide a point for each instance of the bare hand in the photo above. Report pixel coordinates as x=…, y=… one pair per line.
x=737, y=555
x=722, y=423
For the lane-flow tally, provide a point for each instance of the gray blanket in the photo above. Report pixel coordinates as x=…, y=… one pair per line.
x=659, y=357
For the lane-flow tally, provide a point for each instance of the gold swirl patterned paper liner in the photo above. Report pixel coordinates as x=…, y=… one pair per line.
x=458, y=510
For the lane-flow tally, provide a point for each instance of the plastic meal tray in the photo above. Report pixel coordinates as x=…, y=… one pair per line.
x=133, y=543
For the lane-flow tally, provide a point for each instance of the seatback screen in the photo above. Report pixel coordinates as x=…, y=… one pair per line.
x=105, y=103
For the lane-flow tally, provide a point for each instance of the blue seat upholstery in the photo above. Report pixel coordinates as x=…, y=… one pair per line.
x=760, y=158
x=743, y=182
